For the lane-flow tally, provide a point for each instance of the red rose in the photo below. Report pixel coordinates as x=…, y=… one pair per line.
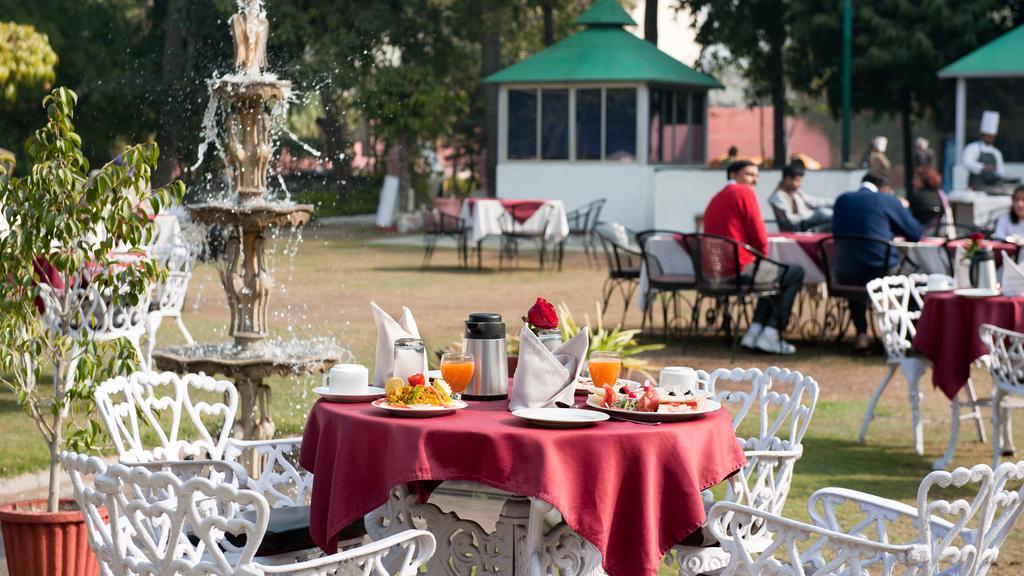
x=542, y=315
x=977, y=236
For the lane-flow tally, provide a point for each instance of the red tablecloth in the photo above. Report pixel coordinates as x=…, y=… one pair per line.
x=947, y=333
x=996, y=246
x=809, y=242
x=632, y=491
x=521, y=210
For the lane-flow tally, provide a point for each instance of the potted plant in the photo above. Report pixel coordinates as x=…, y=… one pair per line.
x=614, y=340
x=62, y=221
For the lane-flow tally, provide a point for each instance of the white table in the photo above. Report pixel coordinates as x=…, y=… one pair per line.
x=484, y=217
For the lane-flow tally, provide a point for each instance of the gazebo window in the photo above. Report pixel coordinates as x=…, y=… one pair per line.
x=554, y=139
x=588, y=124
x=620, y=118
x=677, y=126
x=522, y=124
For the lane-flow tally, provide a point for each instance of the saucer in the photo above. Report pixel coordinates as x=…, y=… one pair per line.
x=977, y=293
x=371, y=394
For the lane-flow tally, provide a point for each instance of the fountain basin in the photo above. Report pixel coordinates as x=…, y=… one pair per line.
x=265, y=87
x=257, y=214
x=269, y=358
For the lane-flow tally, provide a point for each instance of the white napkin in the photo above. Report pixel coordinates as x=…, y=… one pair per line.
x=543, y=376
x=388, y=330
x=961, y=269
x=1013, y=277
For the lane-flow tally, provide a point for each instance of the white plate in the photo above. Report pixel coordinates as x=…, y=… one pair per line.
x=372, y=393
x=584, y=383
x=560, y=417
x=977, y=292
x=419, y=410
x=707, y=406
x=927, y=290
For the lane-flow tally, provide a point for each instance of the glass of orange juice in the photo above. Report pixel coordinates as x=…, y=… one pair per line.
x=457, y=371
x=604, y=367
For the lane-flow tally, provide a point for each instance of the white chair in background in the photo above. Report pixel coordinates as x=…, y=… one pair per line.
x=1006, y=364
x=856, y=534
x=177, y=259
x=168, y=520
x=897, y=303
x=775, y=407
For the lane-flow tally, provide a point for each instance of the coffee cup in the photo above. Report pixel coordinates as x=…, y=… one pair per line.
x=938, y=282
x=348, y=379
x=678, y=379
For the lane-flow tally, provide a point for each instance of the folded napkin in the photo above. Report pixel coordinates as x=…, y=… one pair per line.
x=388, y=330
x=1013, y=277
x=544, y=376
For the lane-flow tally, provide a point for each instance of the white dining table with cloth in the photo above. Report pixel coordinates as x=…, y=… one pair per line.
x=675, y=260
x=484, y=216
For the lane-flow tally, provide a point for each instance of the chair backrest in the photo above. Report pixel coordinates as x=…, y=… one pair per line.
x=833, y=249
x=618, y=250
x=716, y=261
x=771, y=412
x=655, y=267
x=95, y=314
x=965, y=534
x=594, y=213
x=154, y=513
x=170, y=409
x=178, y=259
x=782, y=220
x=897, y=303
x=1006, y=357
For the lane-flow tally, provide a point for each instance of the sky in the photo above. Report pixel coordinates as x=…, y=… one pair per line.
x=675, y=36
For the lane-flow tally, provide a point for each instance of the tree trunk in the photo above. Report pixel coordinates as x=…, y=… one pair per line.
x=490, y=44
x=651, y=21
x=57, y=437
x=905, y=134
x=173, y=62
x=778, y=70
x=549, y=22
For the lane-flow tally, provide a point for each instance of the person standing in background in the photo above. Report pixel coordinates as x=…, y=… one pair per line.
x=923, y=155
x=982, y=159
x=874, y=158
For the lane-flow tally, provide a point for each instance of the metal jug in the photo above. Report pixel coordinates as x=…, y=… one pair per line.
x=485, y=339
x=983, y=269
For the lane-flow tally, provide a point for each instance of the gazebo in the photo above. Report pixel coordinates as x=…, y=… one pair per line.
x=999, y=59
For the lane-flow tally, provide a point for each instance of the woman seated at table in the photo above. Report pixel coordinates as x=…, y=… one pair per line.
x=1011, y=224
x=927, y=202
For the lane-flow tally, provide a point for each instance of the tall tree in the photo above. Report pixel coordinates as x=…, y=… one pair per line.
x=651, y=21
x=898, y=47
x=754, y=34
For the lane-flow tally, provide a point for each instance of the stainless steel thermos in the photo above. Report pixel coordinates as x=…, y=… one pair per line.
x=485, y=339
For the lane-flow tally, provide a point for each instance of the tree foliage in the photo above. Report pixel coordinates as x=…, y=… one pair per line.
x=26, y=60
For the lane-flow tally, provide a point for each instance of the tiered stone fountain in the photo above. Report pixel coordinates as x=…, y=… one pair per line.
x=249, y=96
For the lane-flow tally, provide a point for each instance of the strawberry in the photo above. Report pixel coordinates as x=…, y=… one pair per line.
x=417, y=380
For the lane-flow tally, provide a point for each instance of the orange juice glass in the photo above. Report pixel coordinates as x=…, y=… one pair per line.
x=457, y=370
x=605, y=368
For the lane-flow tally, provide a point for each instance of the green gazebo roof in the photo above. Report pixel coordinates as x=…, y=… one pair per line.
x=602, y=52
x=1000, y=58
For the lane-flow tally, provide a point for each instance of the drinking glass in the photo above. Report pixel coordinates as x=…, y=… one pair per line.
x=604, y=367
x=457, y=371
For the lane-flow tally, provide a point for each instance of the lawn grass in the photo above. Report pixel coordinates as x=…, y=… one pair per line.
x=327, y=287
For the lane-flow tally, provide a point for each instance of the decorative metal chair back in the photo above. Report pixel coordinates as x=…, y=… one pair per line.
x=716, y=262
x=621, y=256
x=831, y=250
x=96, y=314
x=965, y=534
x=655, y=267
x=594, y=213
x=897, y=303
x=161, y=524
x=172, y=409
x=282, y=481
x=178, y=259
x=1006, y=357
x=771, y=412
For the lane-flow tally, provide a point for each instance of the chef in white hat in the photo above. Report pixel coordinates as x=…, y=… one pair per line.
x=982, y=159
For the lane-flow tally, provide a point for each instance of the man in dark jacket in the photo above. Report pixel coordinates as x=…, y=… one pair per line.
x=870, y=211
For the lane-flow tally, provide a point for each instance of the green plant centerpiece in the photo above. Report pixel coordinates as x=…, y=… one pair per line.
x=64, y=223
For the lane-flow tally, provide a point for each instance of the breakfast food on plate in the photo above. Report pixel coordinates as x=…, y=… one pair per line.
x=417, y=392
x=646, y=398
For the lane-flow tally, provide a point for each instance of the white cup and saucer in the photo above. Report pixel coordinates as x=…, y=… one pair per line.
x=680, y=380
x=939, y=283
x=348, y=383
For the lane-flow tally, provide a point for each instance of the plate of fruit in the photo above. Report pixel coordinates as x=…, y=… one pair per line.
x=647, y=402
x=416, y=398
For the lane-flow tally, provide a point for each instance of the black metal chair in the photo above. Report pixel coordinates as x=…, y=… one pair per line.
x=661, y=282
x=582, y=222
x=837, y=307
x=782, y=221
x=823, y=228
x=623, y=269
x=512, y=232
x=438, y=224
x=716, y=262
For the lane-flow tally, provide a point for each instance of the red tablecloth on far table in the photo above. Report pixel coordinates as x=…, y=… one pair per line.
x=631, y=491
x=521, y=209
x=808, y=241
x=947, y=333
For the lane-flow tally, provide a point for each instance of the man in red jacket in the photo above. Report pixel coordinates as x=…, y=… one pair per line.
x=734, y=213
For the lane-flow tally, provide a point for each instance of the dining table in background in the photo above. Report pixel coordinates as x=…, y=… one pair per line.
x=627, y=492
x=484, y=216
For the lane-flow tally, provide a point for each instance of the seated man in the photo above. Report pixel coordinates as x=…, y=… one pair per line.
x=800, y=210
x=870, y=211
x=733, y=212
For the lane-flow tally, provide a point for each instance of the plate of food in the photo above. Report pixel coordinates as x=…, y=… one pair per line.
x=585, y=385
x=416, y=398
x=652, y=404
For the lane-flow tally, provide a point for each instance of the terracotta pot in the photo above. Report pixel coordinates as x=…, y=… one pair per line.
x=41, y=543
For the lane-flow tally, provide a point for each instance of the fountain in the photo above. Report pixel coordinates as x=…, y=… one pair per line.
x=250, y=97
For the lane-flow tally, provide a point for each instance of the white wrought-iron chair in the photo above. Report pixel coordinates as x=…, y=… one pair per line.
x=164, y=406
x=1006, y=364
x=169, y=521
x=857, y=534
x=96, y=315
x=771, y=412
x=177, y=259
x=897, y=303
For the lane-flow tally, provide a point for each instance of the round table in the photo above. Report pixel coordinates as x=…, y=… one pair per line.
x=631, y=491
